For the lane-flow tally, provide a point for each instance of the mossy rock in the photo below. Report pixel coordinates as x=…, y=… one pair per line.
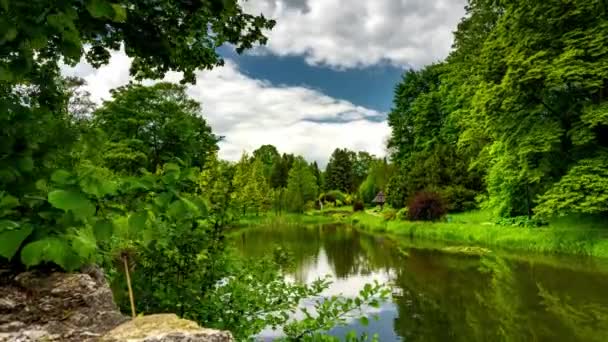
x=164, y=328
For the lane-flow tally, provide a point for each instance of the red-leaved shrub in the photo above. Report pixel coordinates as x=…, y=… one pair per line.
x=426, y=206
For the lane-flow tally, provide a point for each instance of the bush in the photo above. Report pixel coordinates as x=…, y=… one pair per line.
x=333, y=196
x=426, y=206
x=401, y=214
x=358, y=205
x=458, y=198
x=389, y=214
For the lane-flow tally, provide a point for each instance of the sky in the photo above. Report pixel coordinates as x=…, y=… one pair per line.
x=325, y=79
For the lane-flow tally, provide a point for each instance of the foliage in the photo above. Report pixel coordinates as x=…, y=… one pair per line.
x=358, y=205
x=166, y=124
x=280, y=171
x=301, y=187
x=339, y=171
x=521, y=117
x=333, y=196
x=426, y=206
x=36, y=36
x=396, y=193
x=378, y=175
x=251, y=191
x=269, y=155
x=584, y=189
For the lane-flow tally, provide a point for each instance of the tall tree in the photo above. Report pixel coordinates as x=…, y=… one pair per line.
x=269, y=156
x=339, y=171
x=159, y=121
x=302, y=185
x=280, y=171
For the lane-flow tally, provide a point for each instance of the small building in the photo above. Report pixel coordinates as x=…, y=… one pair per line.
x=380, y=199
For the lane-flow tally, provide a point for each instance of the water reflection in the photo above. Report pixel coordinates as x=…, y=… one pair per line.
x=441, y=297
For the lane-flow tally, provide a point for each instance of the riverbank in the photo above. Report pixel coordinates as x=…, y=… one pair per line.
x=574, y=236
x=584, y=236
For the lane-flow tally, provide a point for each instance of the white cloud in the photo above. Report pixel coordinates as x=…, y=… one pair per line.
x=250, y=112
x=357, y=33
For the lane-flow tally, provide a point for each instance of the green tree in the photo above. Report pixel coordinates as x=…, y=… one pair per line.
x=302, y=186
x=269, y=156
x=252, y=192
x=339, y=171
x=159, y=121
x=159, y=35
x=280, y=171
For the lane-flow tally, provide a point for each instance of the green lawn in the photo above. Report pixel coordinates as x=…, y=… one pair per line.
x=584, y=235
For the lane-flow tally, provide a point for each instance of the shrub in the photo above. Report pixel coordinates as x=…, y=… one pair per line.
x=458, y=198
x=333, y=196
x=389, y=214
x=426, y=206
x=401, y=214
x=358, y=205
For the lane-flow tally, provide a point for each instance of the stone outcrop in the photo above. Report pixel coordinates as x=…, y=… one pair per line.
x=164, y=328
x=80, y=307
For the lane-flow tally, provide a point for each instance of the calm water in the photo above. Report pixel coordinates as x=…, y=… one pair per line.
x=447, y=297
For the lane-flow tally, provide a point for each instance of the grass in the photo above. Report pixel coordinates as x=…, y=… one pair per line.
x=583, y=235
x=284, y=219
x=575, y=235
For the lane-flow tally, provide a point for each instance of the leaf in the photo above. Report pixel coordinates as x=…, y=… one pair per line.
x=100, y=9
x=72, y=200
x=4, y=4
x=8, y=202
x=103, y=230
x=50, y=249
x=26, y=164
x=11, y=240
x=120, y=13
x=364, y=321
x=84, y=243
x=137, y=221
x=63, y=177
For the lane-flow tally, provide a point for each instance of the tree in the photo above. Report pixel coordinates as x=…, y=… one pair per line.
x=317, y=173
x=339, y=171
x=164, y=122
x=362, y=162
x=269, y=156
x=251, y=189
x=302, y=186
x=159, y=35
x=280, y=171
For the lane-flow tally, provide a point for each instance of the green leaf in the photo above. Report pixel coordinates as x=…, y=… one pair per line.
x=49, y=249
x=364, y=321
x=100, y=9
x=11, y=240
x=8, y=202
x=72, y=200
x=120, y=13
x=4, y=4
x=26, y=164
x=103, y=230
x=9, y=34
x=63, y=177
x=84, y=243
x=137, y=221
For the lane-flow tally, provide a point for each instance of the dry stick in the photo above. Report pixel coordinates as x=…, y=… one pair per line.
x=124, y=259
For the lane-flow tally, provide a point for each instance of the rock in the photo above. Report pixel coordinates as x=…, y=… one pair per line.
x=60, y=306
x=164, y=328
x=56, y=307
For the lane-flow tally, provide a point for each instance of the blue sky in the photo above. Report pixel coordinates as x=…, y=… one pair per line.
x=324, y=80
x=371, y=86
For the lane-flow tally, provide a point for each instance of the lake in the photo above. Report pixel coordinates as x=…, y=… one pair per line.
x=440, y=296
